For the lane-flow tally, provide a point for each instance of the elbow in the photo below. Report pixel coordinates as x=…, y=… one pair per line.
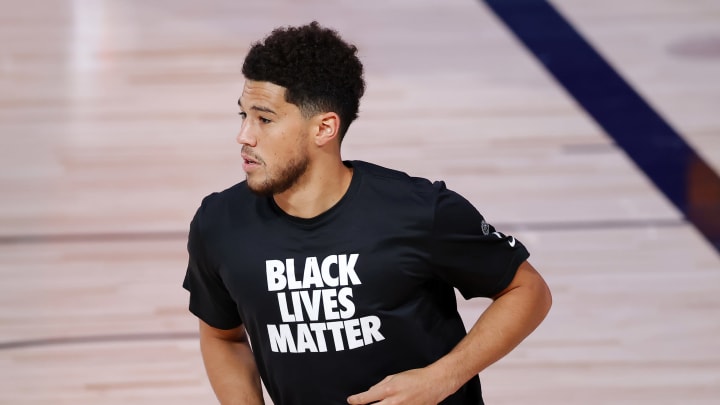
x=538, y=295
x=541, y=292
x=546, y=299
x=543, y=299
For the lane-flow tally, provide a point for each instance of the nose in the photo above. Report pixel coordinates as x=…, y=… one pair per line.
x=246, y=135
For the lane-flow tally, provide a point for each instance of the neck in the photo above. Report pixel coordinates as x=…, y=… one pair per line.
x=320, y=188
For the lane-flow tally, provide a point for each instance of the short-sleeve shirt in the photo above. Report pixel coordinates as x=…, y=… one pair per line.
x=335, y=303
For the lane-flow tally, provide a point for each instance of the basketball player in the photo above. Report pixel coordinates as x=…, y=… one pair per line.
x=341, y=274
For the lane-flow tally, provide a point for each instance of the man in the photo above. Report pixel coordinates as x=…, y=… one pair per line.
x=341, y=273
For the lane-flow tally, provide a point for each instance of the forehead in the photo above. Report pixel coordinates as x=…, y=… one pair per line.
x=262, y=93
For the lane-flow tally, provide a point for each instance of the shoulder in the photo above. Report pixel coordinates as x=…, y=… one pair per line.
x=400, y=194
x=215, y=208
x=395, y=181
x=217, y=200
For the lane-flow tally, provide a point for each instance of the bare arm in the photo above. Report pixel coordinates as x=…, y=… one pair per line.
x=512, y=316
x=230, y=365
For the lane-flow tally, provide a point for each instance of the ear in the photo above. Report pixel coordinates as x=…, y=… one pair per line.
x=328, y=127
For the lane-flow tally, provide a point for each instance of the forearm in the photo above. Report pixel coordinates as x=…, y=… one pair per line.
x=503, y=325
x=232, y=371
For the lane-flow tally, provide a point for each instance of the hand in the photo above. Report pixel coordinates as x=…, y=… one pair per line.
x=414, y=387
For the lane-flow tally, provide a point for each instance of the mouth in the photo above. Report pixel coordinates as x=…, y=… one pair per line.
x=250, y=161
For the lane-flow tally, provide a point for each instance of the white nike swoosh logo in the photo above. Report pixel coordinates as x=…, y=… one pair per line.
x=511, y=242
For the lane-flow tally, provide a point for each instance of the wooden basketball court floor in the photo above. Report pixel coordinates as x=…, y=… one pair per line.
x=117, y=117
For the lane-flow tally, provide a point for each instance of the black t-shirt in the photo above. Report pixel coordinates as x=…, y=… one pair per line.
x=335, y=303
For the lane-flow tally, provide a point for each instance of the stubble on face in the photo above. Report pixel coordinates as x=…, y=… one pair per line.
x=280, y=179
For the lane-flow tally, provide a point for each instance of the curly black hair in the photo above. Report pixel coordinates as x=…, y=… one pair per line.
x=319, y=70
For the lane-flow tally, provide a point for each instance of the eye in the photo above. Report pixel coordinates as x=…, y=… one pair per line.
x=265, y=120
x=242, y=115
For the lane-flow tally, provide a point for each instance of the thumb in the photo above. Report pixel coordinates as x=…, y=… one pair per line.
x=374, y=394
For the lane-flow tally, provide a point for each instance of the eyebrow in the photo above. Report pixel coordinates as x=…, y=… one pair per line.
x=259, y=108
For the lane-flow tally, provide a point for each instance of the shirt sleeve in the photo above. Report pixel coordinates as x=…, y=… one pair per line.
x=469, y=253
x=209, y=298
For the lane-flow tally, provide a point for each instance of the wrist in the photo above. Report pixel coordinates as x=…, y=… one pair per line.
x=446, y=377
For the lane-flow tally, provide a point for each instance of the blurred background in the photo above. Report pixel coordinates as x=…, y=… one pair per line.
x=118, y=117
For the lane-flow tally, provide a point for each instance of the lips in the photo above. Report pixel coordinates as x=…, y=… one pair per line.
x=250, y=158
x=251, y=162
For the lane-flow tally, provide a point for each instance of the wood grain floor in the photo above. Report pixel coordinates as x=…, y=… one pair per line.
x=117, y=117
